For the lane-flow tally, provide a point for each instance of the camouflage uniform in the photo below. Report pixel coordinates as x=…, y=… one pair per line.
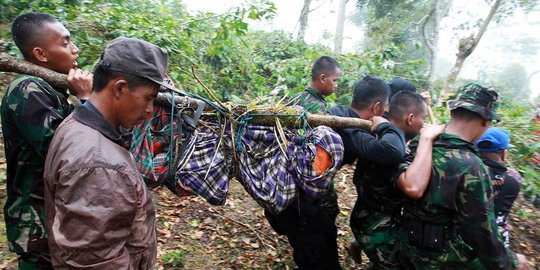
x=311, y=101
x=453, y=225
x=31, y=111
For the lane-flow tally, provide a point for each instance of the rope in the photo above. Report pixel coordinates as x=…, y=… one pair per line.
x=242, y=123
x=243, y=120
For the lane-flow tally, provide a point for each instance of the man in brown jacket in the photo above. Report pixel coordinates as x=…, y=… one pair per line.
x=98, y=212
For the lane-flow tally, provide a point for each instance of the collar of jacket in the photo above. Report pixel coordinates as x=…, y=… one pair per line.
x=89, y=115
x=314, y=93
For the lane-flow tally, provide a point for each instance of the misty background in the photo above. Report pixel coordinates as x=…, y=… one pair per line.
x=509, y=47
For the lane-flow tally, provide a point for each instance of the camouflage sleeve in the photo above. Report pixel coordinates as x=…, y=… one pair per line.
x=403, y=166
x=36, y=116
x=476, y=218
x=309, y=104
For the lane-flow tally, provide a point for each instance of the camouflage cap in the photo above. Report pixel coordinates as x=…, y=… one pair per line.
x=478, y=99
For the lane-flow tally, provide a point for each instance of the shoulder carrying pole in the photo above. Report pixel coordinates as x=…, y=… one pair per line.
x=9, y=63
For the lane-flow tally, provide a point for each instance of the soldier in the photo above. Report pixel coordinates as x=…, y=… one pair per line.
x=506, y=182
x=31, y=111
x=324, y=75
x=453, y=224
x=310, y=224
x=375, y=217
x=99, y=214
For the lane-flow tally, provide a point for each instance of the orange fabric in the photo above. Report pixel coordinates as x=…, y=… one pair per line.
x=322, y=161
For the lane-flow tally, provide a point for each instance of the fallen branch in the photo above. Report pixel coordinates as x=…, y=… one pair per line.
x=265, y=117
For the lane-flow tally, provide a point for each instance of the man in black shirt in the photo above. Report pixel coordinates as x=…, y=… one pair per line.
x=506, y=182
x=377, y=153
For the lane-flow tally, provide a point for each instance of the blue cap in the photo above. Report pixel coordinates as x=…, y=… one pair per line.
x=494, y=139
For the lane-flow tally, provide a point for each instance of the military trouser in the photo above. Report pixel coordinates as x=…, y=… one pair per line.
x=35, y=261
x=378, y=235
x=310, y=227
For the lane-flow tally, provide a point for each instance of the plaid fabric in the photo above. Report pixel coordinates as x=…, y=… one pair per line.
x=150, y=148
x=272, y=177
x=207, y=165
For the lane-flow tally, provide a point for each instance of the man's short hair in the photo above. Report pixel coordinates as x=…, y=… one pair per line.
x=405, y=102
x=368, y=91
x=26, y=30
x=323, y=65
x=401, y=84
x=103, y=76
x=465, y=114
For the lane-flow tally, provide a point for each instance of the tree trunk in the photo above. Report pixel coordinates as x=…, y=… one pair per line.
x=431, y=41
x=338, y=39
x=303, y=19
x=9, y=63
x=466, y=47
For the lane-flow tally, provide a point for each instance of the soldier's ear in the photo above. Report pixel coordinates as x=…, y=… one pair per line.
x=40, y=55
x=323, y=77
x=409, y=119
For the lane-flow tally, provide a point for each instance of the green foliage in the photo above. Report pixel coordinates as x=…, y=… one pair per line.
x=175, y=259
x=517, y=119
x=235, y=63
x=395, y=22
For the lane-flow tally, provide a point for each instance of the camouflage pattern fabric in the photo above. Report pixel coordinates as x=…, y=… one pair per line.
x=31, y=111
x=478, y=99
x=311, y=101
x=459, y=194
x=378, y=235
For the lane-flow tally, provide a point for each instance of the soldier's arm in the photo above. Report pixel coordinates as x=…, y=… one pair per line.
x=415, y=179
x=36, y=117
x=388, y=148
x=476, y=219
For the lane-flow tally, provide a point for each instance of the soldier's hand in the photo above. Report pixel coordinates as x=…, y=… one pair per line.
x=80, y=83
x=523, y=265
x=377, y=120
x=430, y=132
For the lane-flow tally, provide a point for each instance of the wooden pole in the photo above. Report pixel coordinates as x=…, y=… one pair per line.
x=427, y=98
x=9, y=63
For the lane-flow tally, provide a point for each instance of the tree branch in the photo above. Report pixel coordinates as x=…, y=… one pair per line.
x=266, y=117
